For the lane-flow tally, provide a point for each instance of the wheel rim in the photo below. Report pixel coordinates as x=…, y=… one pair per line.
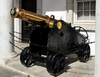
x=55, y=64
x=26, y=58
x=86, y=57
x=87, y=51
x=84, y=53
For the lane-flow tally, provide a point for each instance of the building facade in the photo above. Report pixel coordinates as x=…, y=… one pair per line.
x=77, y=12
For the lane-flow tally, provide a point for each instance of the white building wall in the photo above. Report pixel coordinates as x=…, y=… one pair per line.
x=54, y=7
x=91, y=39
x=69, y=11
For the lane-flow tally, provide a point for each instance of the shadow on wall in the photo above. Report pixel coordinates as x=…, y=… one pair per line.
x=61, y=9
x=55, y=7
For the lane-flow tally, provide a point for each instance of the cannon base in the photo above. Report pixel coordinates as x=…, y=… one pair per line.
x=51, y=46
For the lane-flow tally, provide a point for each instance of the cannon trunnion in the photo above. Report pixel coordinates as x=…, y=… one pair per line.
x=51, y=41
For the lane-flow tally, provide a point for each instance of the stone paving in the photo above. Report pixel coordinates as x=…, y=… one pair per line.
x=73, y=67
x=6, y=72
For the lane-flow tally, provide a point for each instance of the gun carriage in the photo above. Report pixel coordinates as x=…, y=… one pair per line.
x=51, y=41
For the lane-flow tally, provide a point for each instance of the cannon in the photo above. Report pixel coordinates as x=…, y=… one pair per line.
x=52, y=40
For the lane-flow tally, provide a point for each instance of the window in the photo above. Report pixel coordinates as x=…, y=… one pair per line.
x=85, y=10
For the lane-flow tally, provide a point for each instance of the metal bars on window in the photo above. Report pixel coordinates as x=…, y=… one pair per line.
x=84, y=0
x=85, y=10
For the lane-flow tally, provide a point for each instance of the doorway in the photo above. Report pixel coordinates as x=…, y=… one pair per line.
x=29, y=5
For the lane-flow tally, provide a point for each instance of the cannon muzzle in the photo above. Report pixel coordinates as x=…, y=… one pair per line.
x=42, y=21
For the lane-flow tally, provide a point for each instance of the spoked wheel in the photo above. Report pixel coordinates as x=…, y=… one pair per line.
x=55, y=64
x=26, y=58
x=84, y=53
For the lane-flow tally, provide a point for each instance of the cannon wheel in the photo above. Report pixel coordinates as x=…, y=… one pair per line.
x=55, y=64
x=84, y=53
x=26, y=58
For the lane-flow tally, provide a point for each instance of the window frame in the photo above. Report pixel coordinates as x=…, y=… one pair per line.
x=75, y=13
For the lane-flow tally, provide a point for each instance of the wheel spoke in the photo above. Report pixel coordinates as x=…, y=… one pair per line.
x=27, y=62
x=86, y=57
x=62, y=64
x=57, y=64
x=26, y=58
x=56, y=69
x=84, y=53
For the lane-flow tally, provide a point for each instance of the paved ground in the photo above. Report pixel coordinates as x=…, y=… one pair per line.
x=73, y=68
x=6, y=72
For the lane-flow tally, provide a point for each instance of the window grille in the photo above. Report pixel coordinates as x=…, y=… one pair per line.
x=86, y=9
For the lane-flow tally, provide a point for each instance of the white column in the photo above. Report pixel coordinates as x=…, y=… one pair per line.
x=6, y=27
x=97, y=38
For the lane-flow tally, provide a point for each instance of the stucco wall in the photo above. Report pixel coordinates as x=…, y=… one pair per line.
x=54, y=7
x=91, y=39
